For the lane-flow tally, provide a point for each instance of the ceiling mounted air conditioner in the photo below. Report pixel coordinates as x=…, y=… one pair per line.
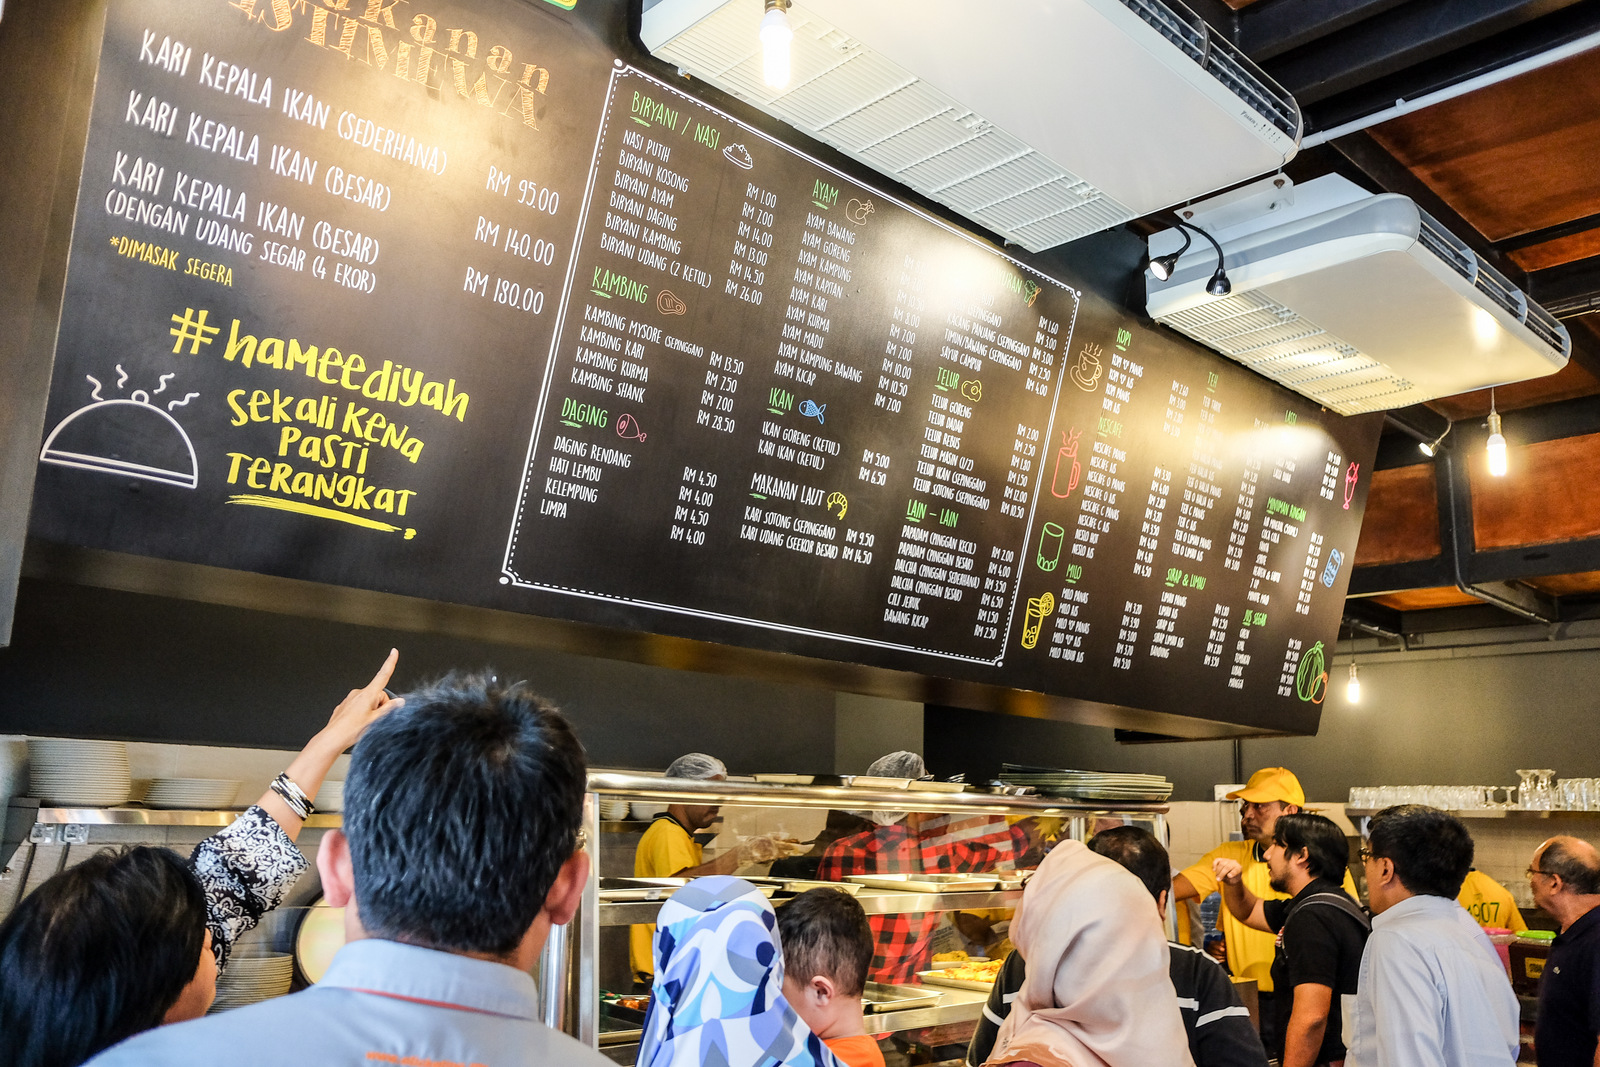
x=1041, y=120
x=1361, y=302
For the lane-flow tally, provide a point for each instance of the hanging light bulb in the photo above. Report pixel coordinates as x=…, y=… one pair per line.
x=1496, y=448
x=1352, y=689
x=776, y=36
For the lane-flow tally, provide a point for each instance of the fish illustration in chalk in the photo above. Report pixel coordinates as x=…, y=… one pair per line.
x=810, y=410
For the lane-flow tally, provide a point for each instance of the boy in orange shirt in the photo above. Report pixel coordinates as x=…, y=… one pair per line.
x=827, y=947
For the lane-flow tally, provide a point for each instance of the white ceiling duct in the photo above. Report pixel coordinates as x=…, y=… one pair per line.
x=1361, y=302
x=1042, y=120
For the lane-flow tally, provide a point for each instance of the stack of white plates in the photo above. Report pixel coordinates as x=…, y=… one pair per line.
x=248, y=979
x=200, y=794
x=1087, y=785
x=69, y=773
x=330, y=797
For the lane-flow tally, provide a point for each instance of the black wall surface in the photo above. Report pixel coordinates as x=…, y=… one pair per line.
x=98, y=663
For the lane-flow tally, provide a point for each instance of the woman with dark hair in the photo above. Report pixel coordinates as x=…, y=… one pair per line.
x=132, y=939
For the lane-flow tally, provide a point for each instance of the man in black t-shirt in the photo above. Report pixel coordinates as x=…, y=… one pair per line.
x=1321, y=933
x=1214, y=1018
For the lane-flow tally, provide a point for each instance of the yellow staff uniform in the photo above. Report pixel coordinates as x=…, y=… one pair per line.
x=665, y=849
x=1490, y=903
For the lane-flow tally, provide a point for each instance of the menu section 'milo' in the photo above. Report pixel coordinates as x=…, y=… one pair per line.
x=779, y=397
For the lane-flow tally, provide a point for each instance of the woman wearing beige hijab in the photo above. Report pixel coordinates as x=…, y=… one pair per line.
x=1098, y=991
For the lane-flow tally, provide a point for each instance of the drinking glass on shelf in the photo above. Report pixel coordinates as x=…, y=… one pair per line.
x=1544, y=789
x=1525, y=797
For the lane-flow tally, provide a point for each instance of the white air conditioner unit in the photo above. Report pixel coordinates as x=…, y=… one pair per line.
x=1361, y=302
x=1042, y=120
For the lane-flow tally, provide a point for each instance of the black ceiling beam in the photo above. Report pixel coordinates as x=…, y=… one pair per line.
x=1381, y=579
x=1403, y=37
x=1569, y=281
x=1536, y=561
x=1524, y=41
x=1577, y=417
x=1373, y=161
x=1549, y=233
x=1271, y=29
x=1375, y=619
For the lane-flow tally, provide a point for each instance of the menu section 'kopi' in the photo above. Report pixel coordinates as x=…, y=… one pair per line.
x=454, y=303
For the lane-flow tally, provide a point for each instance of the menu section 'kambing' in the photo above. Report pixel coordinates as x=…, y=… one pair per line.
x=779, y=397
x=453, y=303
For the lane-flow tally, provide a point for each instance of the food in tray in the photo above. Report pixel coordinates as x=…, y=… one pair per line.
x=974, y=971
x=951, y=957
x=928, y=883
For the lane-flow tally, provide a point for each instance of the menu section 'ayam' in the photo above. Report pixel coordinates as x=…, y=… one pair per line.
x=351, y=287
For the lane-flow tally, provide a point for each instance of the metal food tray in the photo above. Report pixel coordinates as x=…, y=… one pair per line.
x=928, y=883
x=879, y=997
x=801, y=885
x=939, y=978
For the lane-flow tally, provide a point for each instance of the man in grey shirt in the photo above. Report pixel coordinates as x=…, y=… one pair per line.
x=1431, y=992
x=460, y=851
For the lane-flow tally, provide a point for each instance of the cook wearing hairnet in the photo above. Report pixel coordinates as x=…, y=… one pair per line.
x=669, y=850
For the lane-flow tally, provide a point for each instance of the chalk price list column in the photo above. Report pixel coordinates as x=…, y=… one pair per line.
x=524, y=205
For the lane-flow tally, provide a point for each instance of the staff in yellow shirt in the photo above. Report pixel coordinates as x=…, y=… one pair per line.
x=1271, y=792
x=1490, y=903
x=669, y=850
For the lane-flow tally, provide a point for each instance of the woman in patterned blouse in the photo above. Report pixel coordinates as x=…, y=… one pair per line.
x=134, y=939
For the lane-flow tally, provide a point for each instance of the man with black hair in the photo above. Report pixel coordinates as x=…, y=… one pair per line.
x=827, y=947
x=1565, y=876
x=1215, y=1019
x=461, y=849
x=1321, y=934
x=1432, y=991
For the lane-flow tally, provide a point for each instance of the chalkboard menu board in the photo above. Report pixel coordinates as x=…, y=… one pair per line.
x=460, y=304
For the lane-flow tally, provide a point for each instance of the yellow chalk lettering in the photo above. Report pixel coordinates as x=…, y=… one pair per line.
x=244, y=347
x=258, y=467
x=286, y=437
x=331, y=357
x=353, y=364
x=270, y=353
x=281, y=473
x=240, y=416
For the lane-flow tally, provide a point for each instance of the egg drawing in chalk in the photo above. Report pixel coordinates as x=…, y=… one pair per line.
x=810, y=410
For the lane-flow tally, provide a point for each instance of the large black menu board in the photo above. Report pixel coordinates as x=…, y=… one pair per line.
x=459, y=304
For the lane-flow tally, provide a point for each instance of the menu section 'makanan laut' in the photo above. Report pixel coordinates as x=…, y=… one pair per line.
x=457, y=304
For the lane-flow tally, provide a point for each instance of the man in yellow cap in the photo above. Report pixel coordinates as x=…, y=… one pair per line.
x=1271, y=792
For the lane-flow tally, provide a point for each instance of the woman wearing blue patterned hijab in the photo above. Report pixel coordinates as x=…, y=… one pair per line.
x=717, y=1000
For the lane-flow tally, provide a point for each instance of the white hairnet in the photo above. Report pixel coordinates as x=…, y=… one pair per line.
x=697, y=765
x=900, y=764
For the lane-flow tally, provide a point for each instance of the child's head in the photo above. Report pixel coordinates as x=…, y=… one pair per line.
x=827, y=947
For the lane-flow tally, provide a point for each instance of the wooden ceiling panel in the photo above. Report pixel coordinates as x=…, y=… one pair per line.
x=1561, y=250
x=1423, y=599
x=1402, y=517
x=1548, y=495
x=1584, y=584
x=1513, y=157
x=1568, y=382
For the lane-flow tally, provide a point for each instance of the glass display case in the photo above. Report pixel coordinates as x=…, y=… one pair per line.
x=927, y=835
x=945, y=833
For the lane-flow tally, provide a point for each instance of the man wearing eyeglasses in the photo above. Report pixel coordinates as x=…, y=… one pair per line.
x=1271, y=792
x=1565, y=876
x=1432, y=992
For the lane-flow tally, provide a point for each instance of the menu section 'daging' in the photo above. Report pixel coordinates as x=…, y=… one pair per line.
x=779, y=397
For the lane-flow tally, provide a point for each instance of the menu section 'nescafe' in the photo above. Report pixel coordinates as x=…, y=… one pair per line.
x=455, y=304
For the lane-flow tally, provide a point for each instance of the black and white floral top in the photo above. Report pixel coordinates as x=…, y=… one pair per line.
x=246, y=869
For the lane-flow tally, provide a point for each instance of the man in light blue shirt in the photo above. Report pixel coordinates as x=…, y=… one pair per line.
x=460, y=851
x=1432, y=991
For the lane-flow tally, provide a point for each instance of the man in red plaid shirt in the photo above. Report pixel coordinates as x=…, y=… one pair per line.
x=917, y=843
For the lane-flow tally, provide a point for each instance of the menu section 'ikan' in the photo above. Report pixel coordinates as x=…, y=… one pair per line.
x=780, y=398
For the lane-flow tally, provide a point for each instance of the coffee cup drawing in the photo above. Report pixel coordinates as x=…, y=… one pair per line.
x=1085, y=373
